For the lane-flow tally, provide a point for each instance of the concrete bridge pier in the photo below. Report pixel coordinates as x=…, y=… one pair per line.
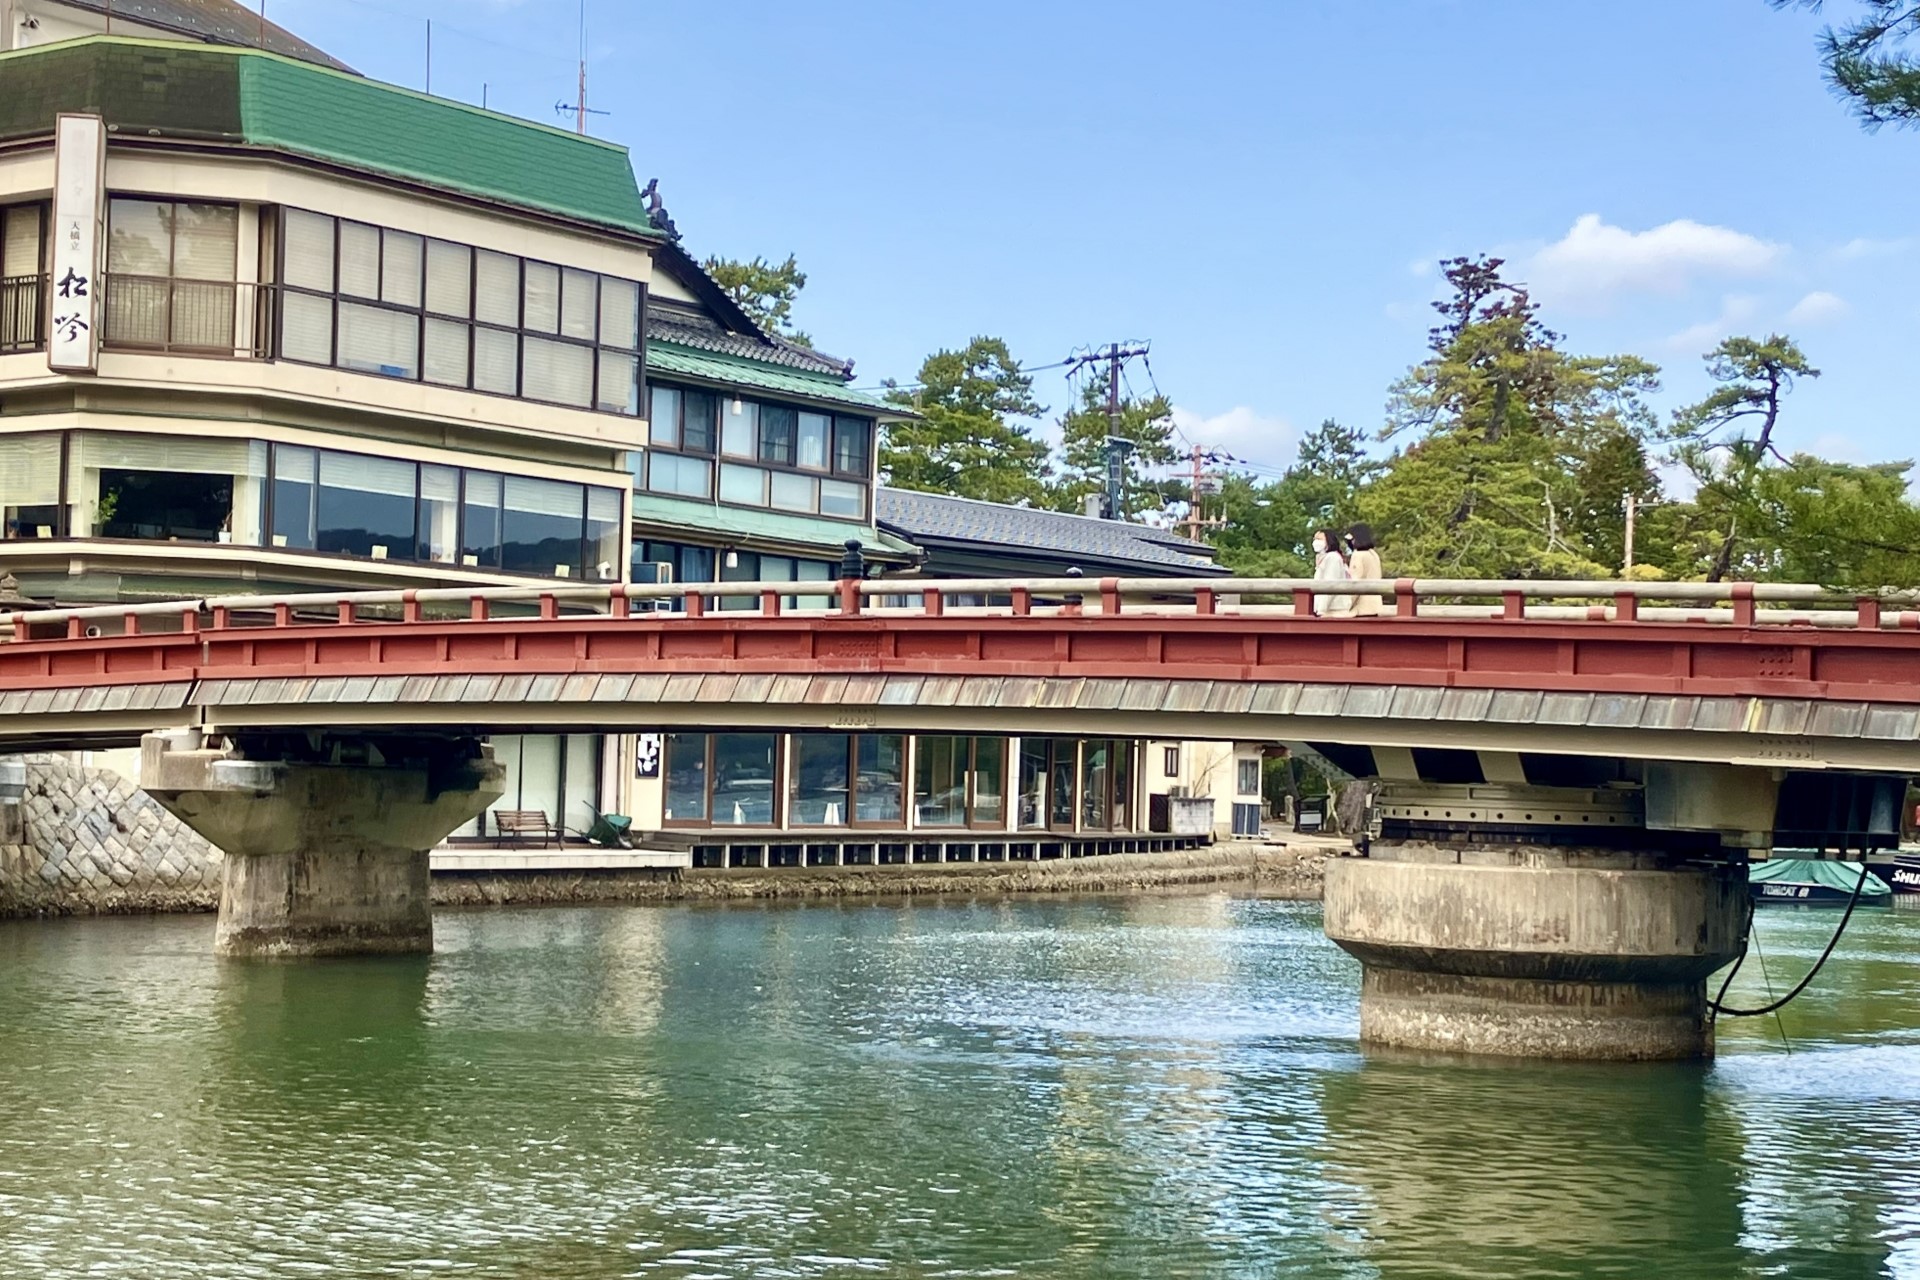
x=326, y=842
x=1537, y=922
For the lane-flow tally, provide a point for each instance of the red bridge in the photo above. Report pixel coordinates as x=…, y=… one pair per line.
x=1682, y=671
x=1573, y=774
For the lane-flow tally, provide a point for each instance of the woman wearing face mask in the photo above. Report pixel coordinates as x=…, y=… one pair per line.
x=1363, y=565
x=1329, y=567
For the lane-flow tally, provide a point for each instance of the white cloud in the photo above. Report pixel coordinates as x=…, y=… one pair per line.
x=1818, y=307
x=1735, y=310
x=1839, y=446
x=1596, y=261
x=1421, y=268
x=1248, y=435
x=1866, y=247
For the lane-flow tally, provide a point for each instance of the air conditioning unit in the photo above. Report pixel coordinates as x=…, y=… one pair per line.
x=653, y=573
x=1180, y=792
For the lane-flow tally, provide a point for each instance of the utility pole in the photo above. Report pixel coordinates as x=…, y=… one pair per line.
x=1633, y=507
x=1118, y=446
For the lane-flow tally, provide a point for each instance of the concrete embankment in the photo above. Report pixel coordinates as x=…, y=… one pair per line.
x=1268, y=868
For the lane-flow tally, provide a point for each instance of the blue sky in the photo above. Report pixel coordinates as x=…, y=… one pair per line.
x=1261, y=189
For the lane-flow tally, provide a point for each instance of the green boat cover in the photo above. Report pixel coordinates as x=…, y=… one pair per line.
x=1832, y=875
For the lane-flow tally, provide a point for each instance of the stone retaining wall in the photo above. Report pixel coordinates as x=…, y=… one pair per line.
x=95, y=844
x=1273, y=869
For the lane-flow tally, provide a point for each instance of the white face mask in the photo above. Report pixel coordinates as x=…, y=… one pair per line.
x=1320, y=546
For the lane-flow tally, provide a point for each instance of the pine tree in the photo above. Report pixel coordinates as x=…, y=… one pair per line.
x=967, y=442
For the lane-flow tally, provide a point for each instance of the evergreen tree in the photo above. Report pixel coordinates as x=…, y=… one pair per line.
x=1866, y=61
x=766, y=291
x=1147, y=423
x=1518, y=455
x=966, y=442
x=1755, y=376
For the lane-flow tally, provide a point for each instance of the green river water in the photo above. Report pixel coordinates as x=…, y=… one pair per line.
x=1151, y=1087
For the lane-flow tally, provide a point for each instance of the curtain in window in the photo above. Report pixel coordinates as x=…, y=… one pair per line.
x=359, y=260
x=449, y=279
x=497, y=288
x=496, y=361
x=579, y=304
x=402, y=260
x=446, y=355
x=29, y=470
x=619, y=313
x=557, y=372
x=309, y=250
x=206, y=241
x=375, y=340
x=542, y=313
x=20, y=242
x=306, y=328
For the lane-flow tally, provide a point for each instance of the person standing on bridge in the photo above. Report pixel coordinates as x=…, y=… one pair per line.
x=1363, y=565
x=1329, y=566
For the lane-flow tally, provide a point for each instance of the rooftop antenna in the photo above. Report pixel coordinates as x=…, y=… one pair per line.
x=263, y=24
x=579, y=107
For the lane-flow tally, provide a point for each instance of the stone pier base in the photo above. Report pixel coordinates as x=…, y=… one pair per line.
x=1529, y=951
x=321, y=859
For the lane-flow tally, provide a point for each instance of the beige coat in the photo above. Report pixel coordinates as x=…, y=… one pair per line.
x=1362, y=565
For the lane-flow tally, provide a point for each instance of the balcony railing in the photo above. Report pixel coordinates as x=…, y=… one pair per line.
x=198, y=317
x=23, y=313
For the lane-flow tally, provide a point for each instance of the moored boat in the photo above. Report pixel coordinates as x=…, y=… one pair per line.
x=1814, y=881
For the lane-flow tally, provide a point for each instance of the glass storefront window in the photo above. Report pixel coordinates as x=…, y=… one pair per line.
x=481, y=515
x=1060, y=780
x=1096, y=783
x=880, y=764
x=685, y=770
x=940, y=781
x=295, y=477
x=167, y=488
x=745, y=766
x=541, y=529
x=366, y=506
x=989, y=782
x=605, y=533
x=1035, y=757
x=820, y=792
x=438, y=538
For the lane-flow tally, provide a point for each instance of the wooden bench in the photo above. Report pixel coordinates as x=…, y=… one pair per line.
x=515, y=825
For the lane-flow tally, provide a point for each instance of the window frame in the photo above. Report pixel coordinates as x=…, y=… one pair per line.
x=423, y=312
x=754, y=456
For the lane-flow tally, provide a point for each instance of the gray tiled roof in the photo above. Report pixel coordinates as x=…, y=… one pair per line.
x=934, y=517
x=214, y=21
x=691, y=328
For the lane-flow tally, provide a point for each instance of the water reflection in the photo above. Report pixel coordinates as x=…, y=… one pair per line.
x=1101, y=1087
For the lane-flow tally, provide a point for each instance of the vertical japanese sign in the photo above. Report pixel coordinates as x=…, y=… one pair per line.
x=79, y=192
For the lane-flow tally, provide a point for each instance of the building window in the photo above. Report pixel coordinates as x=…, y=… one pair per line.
x=726, y=779
x=1106, y=784
x=30, y=485
x=389, y=509
x=167, y=488
x=559, y=775
x=22, y=277
x=772, y=456
x=959, y=781
x=170, y=275
x=1170, y=761
x=387, y=302
x=1048, y=779
x=1249, y=777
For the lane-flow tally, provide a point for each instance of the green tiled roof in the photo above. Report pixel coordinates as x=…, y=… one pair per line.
x=165, y=89
x=753, y=528
x=672, y=359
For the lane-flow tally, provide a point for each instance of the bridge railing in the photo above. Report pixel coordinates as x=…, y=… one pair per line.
x=1397, y=600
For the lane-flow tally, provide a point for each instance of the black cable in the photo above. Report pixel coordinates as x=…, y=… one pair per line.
x=1800, y=986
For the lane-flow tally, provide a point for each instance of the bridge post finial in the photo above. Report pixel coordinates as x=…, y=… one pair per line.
x=853, y=563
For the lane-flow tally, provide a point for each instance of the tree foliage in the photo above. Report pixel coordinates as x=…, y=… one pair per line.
x=766, y=291
x=1866, y=62
x=1754, y=377
x=968, y=441
x=1147, y=422
x=1516, y=455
